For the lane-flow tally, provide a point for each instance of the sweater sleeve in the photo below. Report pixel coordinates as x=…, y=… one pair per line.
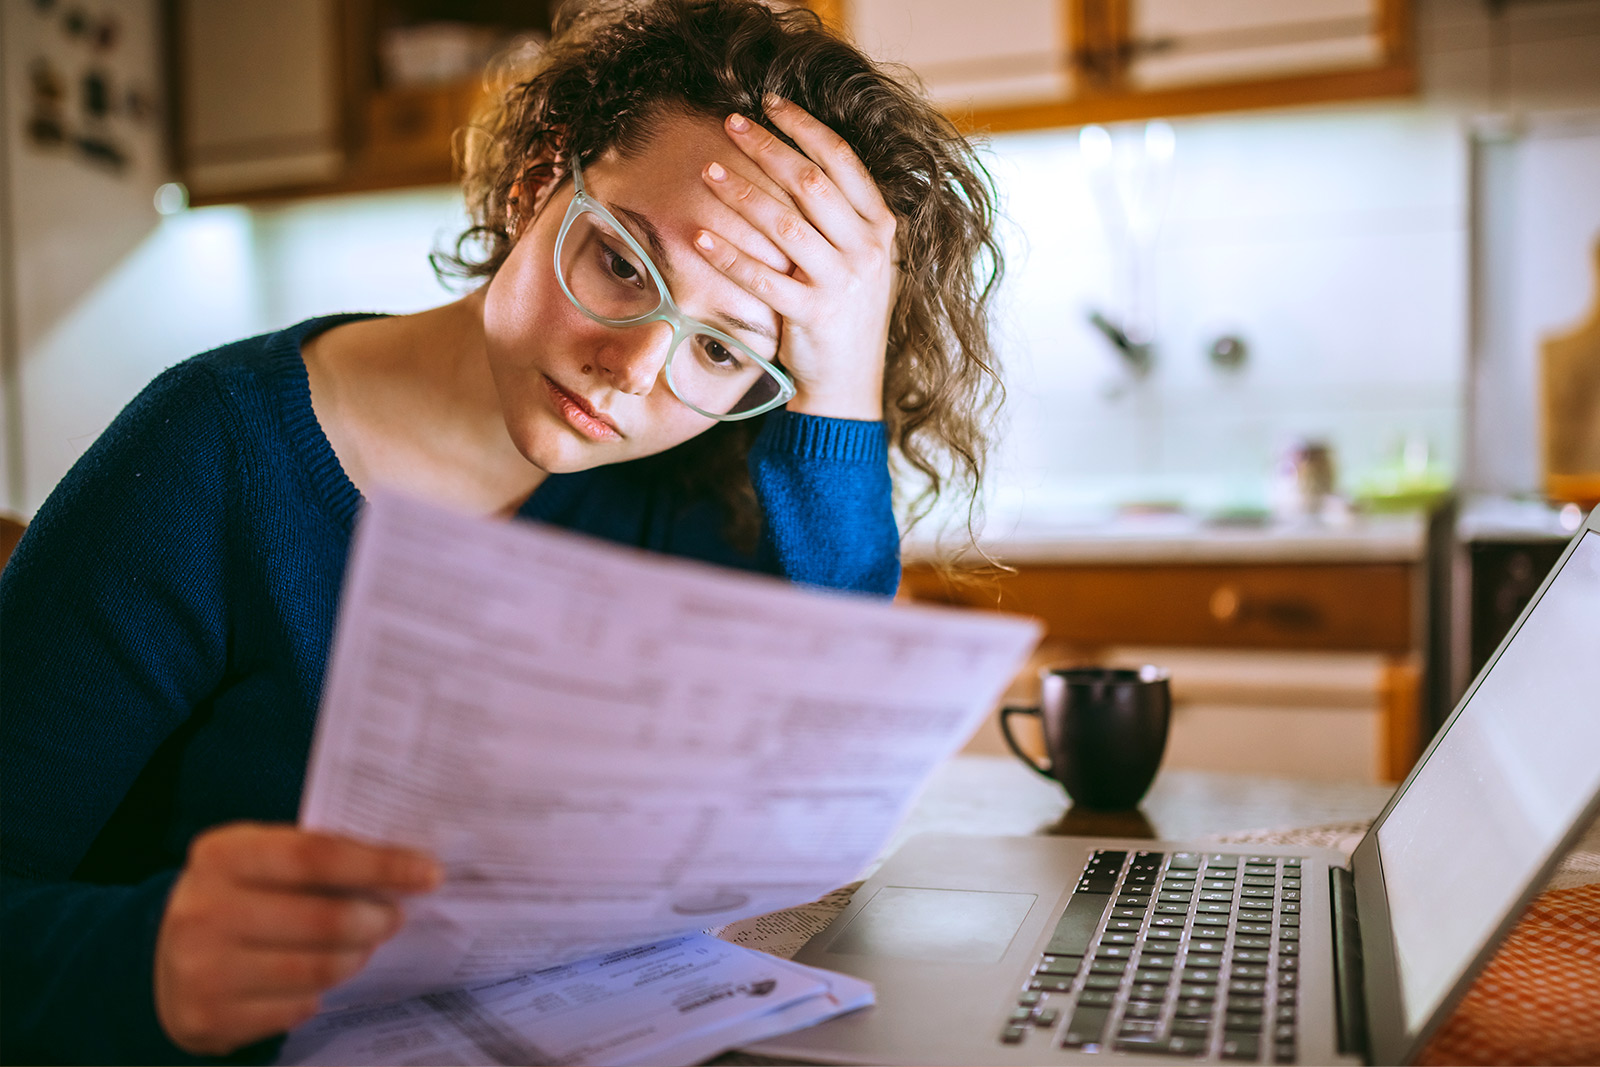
x=114, y=630
x=826, y=501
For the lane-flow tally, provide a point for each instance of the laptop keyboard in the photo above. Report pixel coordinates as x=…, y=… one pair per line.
x=1188, y=954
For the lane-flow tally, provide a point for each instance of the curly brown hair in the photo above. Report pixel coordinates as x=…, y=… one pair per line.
x=613, y=69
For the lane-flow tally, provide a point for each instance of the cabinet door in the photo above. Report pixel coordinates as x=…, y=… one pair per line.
x=1177, y=43
x=258, y=94
x=971, y=55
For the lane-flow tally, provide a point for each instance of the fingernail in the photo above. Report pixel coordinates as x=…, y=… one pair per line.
x=774, y=102
x=715, y=172
x=738, y=123
x=703, y=239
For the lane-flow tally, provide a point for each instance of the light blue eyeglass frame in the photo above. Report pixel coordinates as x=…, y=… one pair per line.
x=683, y=326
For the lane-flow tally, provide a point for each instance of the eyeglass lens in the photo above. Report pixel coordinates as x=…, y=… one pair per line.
x=603, y=274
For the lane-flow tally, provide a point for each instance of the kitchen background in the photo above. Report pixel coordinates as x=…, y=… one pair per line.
x=1374, y=275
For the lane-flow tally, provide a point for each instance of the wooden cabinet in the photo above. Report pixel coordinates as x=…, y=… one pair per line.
x=1285, y=606
x=279, y=98
x=1022, y=64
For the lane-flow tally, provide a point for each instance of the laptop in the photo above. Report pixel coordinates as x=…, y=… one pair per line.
x=1040, y=950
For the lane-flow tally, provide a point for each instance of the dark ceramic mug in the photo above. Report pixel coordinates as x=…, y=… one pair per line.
x=1105, y=729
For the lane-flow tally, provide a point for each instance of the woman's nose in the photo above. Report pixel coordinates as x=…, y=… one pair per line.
x=632, y=358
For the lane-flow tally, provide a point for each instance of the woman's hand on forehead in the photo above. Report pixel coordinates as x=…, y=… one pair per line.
x=828, y=217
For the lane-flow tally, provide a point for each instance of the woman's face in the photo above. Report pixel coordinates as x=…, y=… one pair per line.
x=577, y=394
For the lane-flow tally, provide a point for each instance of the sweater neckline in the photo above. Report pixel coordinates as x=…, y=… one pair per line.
x=292, y=385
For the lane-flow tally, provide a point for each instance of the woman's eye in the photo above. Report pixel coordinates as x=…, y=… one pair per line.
x=617, y=264
x=718, y=354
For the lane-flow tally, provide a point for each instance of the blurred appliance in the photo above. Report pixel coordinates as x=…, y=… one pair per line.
x=1570, y=381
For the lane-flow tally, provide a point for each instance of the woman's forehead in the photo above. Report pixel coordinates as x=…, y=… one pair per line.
x=662, y=182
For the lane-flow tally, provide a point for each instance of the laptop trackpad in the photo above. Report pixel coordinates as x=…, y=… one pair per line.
x=953, y=925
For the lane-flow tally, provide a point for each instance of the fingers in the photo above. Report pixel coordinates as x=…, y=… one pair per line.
x=215, y=1029
x=287, y=857
x=778, y=291
x=819, y=215
x=823, y=148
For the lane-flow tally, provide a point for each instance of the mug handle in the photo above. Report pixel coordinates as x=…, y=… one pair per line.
x=1011, y=742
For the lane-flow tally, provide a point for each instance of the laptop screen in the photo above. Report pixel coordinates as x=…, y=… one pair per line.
x=1496, y=795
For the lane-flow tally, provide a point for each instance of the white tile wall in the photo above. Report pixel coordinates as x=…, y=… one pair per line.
x=1334, y=242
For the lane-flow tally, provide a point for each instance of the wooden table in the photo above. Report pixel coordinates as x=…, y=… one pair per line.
x=998, y=795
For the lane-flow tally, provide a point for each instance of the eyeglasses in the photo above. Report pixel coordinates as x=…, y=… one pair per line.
x=608, y=277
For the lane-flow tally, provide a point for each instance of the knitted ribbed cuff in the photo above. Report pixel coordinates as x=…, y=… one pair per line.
x=822, y=437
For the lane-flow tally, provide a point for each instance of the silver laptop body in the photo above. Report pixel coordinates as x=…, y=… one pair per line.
x=988, y=950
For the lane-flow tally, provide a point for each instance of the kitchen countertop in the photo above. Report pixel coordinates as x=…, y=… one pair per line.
x=1183, y=538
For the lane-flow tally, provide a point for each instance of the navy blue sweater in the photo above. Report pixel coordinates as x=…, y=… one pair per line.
x=164, y=628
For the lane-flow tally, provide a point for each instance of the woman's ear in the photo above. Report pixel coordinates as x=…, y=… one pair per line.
x=529, y=194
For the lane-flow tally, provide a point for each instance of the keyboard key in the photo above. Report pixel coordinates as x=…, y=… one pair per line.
x=1197, y=992
x=1142, y=1010
x=1291, y=894
x=1119, y=937
x=1159, y=932
x=1210, y=920
x=1218, y=885
x=1086, y=1027
x=1249, y=970
x=1289, y=921
x=1251, y=955
x=1066, y=966
x=1247, y=1004
x=1148, y=962
x=1185, y=861
x=1132, y=900
x=1191, y=1027
x=1249, y=941
x=1241, y=1047
x=1204, y=959
x=1183, y=909
x=1283, y=1052
x=1028, y=1000
x=1289, y=963
x=1125, y=926
x=1283, y=1032
x=1138, y=1028
x=1053, y=985
x=1212, y=896
x=1291, y=908
x=1195, y=1008
x=1046, y=1017
x=1151, y=974
x=1108, y=966
x=1114, y=952
x=1127, y=913
x=1254, y=928
x=1258, y=861
x=1221, y=875
x=1097, y=998
x=1268, y=869
x=1206, y=946
x=1182, y=876
x=1247, y=987
x=1258, y=882
x=1288, y=978
x=1291, y=883
x=1012, y=1035
x=1209, y=909
x=1257, y=892
x=1249, y=1022
x=1077, y=923
x=1292, y=861
x=1288, y=996
x=1219, y=859
x=1201, y=976
x=1168, y=1046
x=1147, y=990
x=1021, y=1015
x=1175, y=898
x=1103, y=981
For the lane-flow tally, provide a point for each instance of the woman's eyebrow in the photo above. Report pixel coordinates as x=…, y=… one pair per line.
x=663, y=259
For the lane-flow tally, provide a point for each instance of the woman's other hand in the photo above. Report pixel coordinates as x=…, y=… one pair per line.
x=265, y=918
x=840, y=236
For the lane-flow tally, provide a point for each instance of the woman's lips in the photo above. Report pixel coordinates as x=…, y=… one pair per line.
x=580, y=416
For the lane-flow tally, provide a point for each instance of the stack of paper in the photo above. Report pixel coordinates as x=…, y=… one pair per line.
x=608, y=748
x=675, y=1002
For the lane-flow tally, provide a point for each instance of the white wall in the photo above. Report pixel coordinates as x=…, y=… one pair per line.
x=1334, y=242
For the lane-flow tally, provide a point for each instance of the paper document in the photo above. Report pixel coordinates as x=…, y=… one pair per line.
x=676, y=1002
x=606, y=747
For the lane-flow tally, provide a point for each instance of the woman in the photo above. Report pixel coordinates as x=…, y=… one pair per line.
x=728, y=265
